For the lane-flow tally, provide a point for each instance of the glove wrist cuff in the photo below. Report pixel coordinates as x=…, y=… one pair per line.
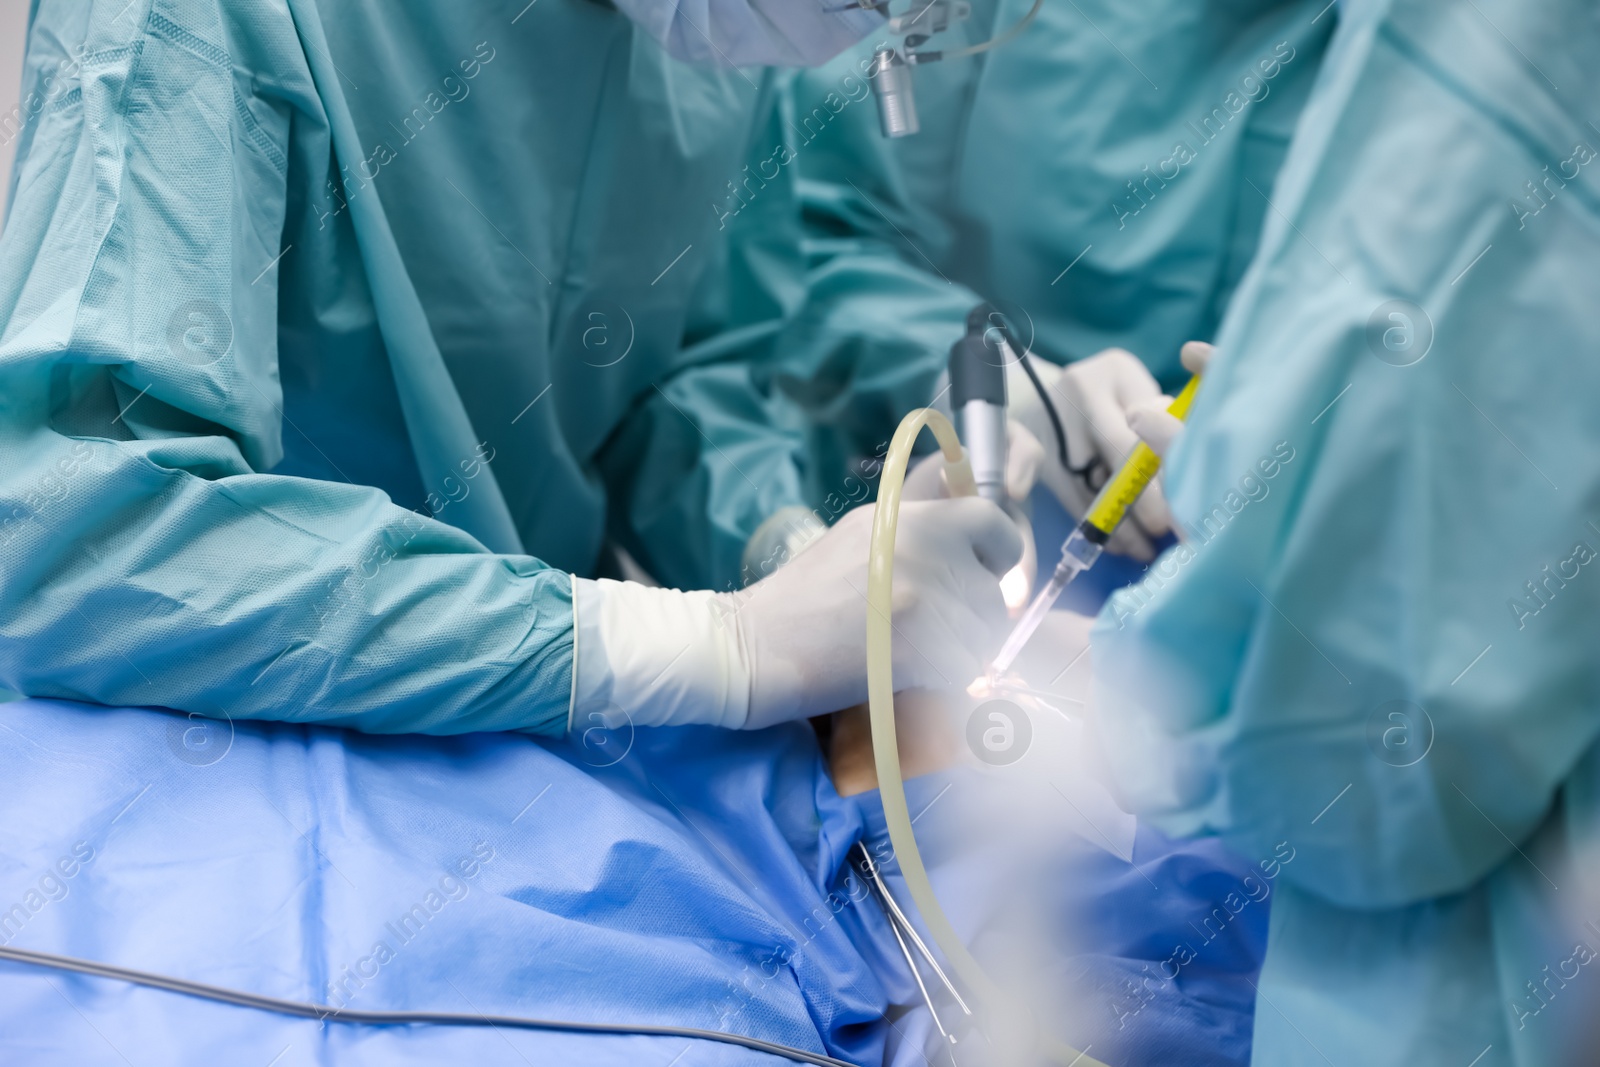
x=660, y=657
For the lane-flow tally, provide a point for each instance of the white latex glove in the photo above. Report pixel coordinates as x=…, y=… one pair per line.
x=793, y=645
x=1093, y=398
x=1024, y=457
x=1151, y=421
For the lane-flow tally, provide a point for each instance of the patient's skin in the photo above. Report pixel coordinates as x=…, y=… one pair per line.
x=927, y=722
x=924, y=729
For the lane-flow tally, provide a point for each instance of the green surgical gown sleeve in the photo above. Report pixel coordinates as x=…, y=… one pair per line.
x=1378, y=643
x=144, y=559
x=810, y=339
x=873, y=333
x=707, y=454
x=1094, y=206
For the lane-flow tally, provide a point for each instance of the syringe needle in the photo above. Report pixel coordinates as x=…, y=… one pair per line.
x=1028, y=623
x=1084, y=545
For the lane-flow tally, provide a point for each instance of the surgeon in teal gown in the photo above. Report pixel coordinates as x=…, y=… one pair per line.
x=304, y=305
x=1383, y=653
x=1379, y=658
x=1036, y=180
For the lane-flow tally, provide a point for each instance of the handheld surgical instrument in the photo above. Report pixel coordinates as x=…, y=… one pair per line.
x=978, y=397
x=1080, y=551
x=901, y=927
x=1006, y=1015
x=1088, y=539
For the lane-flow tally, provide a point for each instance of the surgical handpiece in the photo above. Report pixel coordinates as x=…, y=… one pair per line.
x=978, y=398
x=1088, y=539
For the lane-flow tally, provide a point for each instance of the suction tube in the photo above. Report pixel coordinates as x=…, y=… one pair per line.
x=885, y=744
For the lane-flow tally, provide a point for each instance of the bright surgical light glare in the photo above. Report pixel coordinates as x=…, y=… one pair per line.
x=1014, y=587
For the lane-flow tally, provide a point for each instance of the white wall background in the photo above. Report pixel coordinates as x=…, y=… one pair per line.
x=13, y=23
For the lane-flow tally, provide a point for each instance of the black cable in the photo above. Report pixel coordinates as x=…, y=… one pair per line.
x=1049, y=408
x=1025, y=357
x=328, y=1013
x=1085, y=473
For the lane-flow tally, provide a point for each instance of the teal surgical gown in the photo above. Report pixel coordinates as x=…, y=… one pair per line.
x=1102, y=177
x=333, y=336
x=1376, y=652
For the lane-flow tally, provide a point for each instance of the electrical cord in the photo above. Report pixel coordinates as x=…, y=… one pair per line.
x=328, y=1013
x=1084, y=473
x=1049, y=409
x=982, y=46
x=1006, y=1011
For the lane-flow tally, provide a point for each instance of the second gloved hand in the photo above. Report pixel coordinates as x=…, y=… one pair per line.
x=793, y=645
x=1151, y=421
x=1095, y=399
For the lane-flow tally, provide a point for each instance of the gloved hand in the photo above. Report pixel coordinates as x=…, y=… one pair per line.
x=1024, y=455
x=1095, y=399
x=793, y=645
x=1151, y=421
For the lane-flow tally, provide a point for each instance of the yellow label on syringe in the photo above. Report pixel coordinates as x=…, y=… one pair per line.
x=1118, y=495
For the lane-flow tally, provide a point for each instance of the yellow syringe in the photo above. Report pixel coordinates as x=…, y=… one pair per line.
x=1084, y=545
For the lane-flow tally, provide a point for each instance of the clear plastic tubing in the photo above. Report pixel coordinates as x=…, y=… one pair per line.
x=1000, y=1009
